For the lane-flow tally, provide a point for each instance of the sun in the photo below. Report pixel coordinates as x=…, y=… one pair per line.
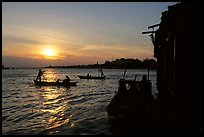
x=49, y=53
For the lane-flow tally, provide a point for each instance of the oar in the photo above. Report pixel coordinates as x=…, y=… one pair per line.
x=124, y=73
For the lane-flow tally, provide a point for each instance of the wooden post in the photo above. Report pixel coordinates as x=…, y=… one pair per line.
x=148, y=75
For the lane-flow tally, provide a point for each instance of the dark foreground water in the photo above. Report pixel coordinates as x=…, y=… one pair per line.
x=80, y=110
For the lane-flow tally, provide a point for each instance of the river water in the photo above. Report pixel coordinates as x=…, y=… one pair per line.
x=50, y=110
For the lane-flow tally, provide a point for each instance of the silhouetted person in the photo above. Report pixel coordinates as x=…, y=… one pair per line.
x=66, y=80
x=122, y=88
x=102, y=75
x=144, y=86
x=118, y=99
x=144, y=78
x=40, y=73
x=88, y=75
x=58, y=80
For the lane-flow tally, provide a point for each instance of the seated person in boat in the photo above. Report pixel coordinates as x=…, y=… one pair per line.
x=88, y=75
x=58, y=80
x=145, y=86
x=66, y=80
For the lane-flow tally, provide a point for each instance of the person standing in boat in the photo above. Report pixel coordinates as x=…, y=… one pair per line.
x=66, y=80
x=40, y=73
x=102, y=75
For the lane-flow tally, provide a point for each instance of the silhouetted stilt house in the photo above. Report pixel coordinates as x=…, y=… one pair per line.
x=177, y=48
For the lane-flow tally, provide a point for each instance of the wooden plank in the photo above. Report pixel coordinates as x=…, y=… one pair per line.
x=153, y=26
x=147, y=32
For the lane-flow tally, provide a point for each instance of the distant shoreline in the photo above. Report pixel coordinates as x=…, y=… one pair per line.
x=116, y=64
x=70, y=68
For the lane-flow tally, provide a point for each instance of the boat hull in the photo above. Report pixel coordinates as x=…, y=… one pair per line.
x=92, y=77
x=44, y=83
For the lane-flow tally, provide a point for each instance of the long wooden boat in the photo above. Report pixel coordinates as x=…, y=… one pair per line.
x=91, y=77
x=45, y=83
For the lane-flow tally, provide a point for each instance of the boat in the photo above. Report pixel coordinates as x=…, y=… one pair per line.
x=46, y=83
x=132, y=108
x=127, y=100
x=102, y=76
x=91, y=77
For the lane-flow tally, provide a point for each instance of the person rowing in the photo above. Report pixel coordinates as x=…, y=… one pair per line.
x=40, y=73
x=102, y=75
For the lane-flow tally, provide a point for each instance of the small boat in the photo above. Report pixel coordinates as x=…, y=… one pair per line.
x=91, y=77
x=45, y=83
x=132, y=109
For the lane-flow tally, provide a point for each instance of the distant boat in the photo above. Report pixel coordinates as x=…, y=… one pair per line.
x=45, y=83
x=93, y=77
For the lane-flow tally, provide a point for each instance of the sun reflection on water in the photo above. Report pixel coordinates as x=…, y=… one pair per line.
x=50, y=75
x=55, y=108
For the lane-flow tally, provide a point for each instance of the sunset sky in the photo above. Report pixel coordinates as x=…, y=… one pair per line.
x=37, y=34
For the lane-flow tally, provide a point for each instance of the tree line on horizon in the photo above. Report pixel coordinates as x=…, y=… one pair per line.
x=121, y=63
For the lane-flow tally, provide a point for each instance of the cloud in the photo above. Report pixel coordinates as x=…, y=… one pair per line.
x=19, y=40
x=116, y=51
